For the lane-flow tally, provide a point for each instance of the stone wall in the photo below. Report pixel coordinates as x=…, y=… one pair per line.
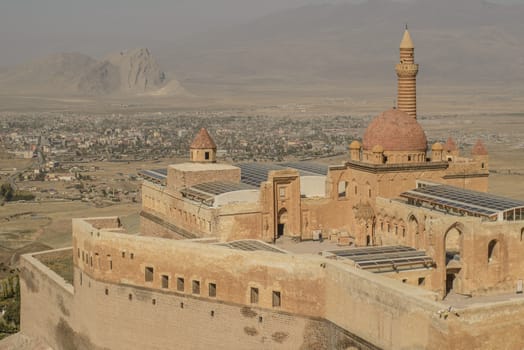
x=172, y=208
x=47, y=306
x=477, y=275
x=187, y=175
x=325, y=304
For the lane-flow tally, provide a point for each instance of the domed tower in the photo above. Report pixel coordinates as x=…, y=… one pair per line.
x=451, y=149
x=480, y=154
x=407, y=71
x=437, y=151
x=203, y=149
x=400, y=137
x=354, y=150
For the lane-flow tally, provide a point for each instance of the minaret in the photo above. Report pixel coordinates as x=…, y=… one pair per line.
x=407, y=71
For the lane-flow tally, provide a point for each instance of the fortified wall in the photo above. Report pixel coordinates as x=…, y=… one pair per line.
x=134, y=292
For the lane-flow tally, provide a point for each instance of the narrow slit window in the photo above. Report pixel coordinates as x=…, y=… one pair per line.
x=180, y=284
x=195, y=287
x=165, y=281
x=276, y=299
x=212, y=290
x=254, y=295
x=149, y=271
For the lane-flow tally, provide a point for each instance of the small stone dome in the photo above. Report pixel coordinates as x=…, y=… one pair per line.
x=354, y=145
x=395, y=130
x=378, y=149
x=437, y=146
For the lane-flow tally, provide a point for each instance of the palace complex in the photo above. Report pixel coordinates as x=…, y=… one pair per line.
x=411, y=229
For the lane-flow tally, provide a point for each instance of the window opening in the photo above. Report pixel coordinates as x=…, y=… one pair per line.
x=254, y=295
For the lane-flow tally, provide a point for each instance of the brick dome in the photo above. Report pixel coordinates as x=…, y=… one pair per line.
x=450, y=145
x=395, y=130
x=479, y=149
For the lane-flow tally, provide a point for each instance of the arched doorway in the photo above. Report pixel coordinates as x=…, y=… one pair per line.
x=453, y=250
x=281, y=222
x=452, y=243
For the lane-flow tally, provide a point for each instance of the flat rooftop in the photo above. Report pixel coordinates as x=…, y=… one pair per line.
x=384, y=258
x=252, y=174
x=206, y=192
x=255, y=173
x=202, y=166
x=157, y=176
x=466, y=202
x=251, y=245
x=465, y=301
x=305, y=247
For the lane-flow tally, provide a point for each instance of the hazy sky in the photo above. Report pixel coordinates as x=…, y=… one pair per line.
x=31, y=29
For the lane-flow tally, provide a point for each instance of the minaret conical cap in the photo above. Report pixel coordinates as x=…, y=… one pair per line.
x=406, y=42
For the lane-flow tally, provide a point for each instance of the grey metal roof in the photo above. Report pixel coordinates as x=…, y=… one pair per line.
x=220, y=187
x=256, y=173
x=205, y=192
x=312, y=167
x=156, y=175
x=386, y=258
x=466, y=201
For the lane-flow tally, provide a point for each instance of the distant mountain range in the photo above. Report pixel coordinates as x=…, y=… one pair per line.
x=126, y=73
x=458, y=42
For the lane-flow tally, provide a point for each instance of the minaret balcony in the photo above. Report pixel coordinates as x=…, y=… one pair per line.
x=406, y=69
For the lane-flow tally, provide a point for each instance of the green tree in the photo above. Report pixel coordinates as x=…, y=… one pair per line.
x=6, y=191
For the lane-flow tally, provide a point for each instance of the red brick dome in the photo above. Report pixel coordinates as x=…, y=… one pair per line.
x=395, y=130
x=479, y=149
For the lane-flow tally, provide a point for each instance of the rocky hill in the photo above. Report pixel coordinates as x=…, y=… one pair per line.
x=133, y=72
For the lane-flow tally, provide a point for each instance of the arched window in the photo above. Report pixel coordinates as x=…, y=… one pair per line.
x=413, y=225
x=453, y=243
x=493, y=251
x=342, y=185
